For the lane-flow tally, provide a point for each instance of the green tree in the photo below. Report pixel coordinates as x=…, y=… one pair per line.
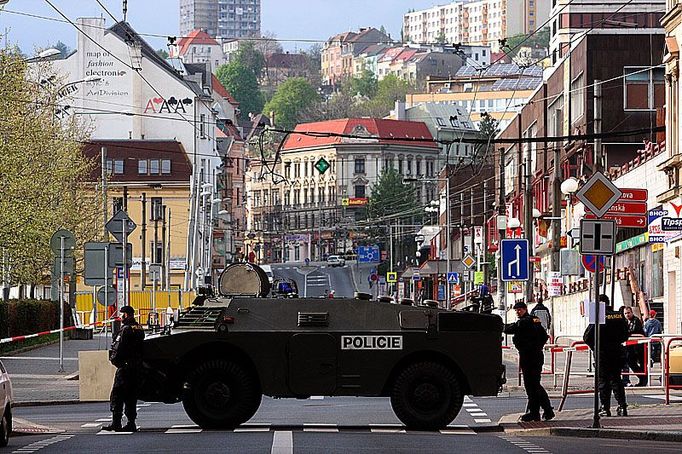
x=43, y=171
x=250, y=57
x=241, y=82
x=364, y=85
x=539, y=39
x=162, y=53
x=441, y=39
x=488, y=128
x=389, y=90
x=291, y=101
x=63, y=48
x=390, y=196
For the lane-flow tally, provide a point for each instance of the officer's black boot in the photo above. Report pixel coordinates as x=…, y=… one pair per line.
x=115, y=424
x=129, y=427
x=605, y=411
x=622, y=410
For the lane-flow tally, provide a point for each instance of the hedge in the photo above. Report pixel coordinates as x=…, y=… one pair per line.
x=19, y=317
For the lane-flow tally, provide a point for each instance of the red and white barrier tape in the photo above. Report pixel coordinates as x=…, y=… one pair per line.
x=7, y=340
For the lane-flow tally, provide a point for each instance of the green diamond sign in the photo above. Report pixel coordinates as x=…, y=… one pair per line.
x=322, y=165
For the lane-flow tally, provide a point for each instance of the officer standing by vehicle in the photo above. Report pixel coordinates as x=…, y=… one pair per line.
x=529, y=339
x=611, y=357
x=126, y=355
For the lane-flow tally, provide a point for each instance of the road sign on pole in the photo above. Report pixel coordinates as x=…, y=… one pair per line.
x=391, y=277
x=592, y=264
x=69, y=242
x=597, y=237
x=116, y=226
x=453, y=277
x=598, y=194
x=514, y=260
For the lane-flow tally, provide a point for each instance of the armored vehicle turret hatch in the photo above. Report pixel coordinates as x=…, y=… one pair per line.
x=223, y=355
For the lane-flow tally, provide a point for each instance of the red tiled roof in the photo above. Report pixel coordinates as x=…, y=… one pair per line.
x=389, y=131
x=196, y=36
x=286, y=60
x=221, y=90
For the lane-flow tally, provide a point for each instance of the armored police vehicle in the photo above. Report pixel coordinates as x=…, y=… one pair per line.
x=225, y=352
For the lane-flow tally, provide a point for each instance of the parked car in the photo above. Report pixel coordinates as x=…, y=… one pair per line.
x=335, y=260
x=5, y=406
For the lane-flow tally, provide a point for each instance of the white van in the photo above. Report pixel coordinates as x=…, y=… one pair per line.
x=268, y=272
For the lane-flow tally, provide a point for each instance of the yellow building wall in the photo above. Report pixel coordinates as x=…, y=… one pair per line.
x=177, y=200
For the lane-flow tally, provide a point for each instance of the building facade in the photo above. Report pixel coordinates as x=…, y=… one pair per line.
x=314, y=213
x=222, y=19
x=150, y=100
x=199, y=47
x=572, y=18
x=632, y=99
x=340, y=50
x=474, y=21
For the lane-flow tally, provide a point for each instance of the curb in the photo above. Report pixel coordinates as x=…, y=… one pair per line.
x=24, y=427
x=44, y=403
x=618, y=434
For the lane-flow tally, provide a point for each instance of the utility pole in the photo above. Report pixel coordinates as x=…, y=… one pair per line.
x=502, y=305
x=163, y=248
x=528, y=222
x=597, y=328
x=448, y=237
x=143, y=273
x=461, y=229
x=168, y=252
x=484, y=233
x=104, y=192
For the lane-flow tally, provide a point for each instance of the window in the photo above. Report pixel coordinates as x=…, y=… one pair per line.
x=657, y=276
x=157, y=252
x=440, y=121
x=156, y=212
x=419, y=167
x=359, y=190
x=360, y=165
x=644, y=90
x=117, y=204
x=577, y=98
x=142, y=167
x=114, y=166
x=202, y=126
x=165, y=166
x=297, y=170
x=154, y=168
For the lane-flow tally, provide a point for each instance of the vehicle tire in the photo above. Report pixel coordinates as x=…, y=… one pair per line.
x=426, y=396
x=221, y=394
x=4, y=430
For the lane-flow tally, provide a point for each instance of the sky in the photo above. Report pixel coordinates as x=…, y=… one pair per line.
x=289, y=20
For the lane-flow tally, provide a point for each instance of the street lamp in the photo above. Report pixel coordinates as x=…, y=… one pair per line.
x=448, y=302
x=46, y=54
x=568, y=188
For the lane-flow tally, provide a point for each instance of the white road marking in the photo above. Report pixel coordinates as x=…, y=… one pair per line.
x=184, y=431
x=316, y=397
x=39, y=358
x=103, y=419
x=252, y=429
x=282, y=442
x=482, y=420
x=662, y=397
x=457, y=432
x=320, y=428
x=33, y=447
x=91, y=424
x=111, y=432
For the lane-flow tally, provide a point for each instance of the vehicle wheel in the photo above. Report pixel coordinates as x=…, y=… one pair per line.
x=426, y=396
x=4, y=430
x=221, y=394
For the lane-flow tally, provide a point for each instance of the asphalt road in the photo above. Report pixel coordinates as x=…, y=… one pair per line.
x=315, y=425
x=317, y=279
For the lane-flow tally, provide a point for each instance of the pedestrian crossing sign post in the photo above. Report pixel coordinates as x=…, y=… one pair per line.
x=453, y=278
x=391, y=277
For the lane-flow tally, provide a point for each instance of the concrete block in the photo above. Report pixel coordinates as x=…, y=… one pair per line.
x=96, y=375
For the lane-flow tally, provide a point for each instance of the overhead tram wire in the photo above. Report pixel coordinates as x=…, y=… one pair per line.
x=106, y=10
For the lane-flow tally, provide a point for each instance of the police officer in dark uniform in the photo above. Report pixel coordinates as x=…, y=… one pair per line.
x=611, y=357
x=126, y=355
x=529, y=339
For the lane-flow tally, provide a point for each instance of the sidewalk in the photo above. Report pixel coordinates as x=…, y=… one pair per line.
x=645, y=422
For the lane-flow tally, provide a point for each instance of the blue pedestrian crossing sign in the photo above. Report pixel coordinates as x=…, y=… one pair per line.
x=453, y=278
x=515, y=260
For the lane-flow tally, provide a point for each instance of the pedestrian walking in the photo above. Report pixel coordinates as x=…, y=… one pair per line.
x=652, y=326
x=529, y=339
x=540, y=311
x=611, y=357
x=126, y=355
x=635, y=353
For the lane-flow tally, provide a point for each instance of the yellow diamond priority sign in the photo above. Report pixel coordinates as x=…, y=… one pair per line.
x=598, y=194
x=468, y=261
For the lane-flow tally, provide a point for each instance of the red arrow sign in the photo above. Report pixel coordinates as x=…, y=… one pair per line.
x=638, y=208
x=623, y=220
x=634, y=195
